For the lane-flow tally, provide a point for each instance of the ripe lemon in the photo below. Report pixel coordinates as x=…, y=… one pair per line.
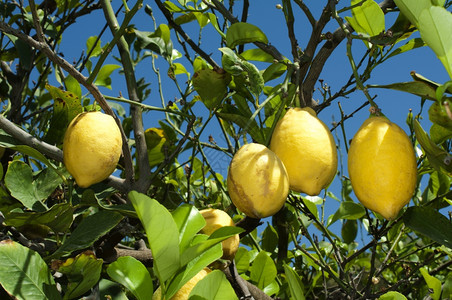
x=382, y=166
x=216, y=218
x=184, y=291
x=91, y=147
x=257, y=181
x=307, y=149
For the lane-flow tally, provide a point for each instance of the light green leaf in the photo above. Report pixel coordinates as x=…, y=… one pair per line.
x=368, y=18
x=295, y=283
x=348, y=210
x=434, y=26
x=392, y=296
x=103, y=78
x=189, y=222
x=88, y=231
x=410, y=45
x=162, y=234
x=412, y=9
x=241, y=33
x=211, y=85
x=132, y=274
x=93, y=46
x=263, y=271
x=433, y=283
x=214, y=286
x=24, y=274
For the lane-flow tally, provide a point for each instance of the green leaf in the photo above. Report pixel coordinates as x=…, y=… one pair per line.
x=88, y=231
x=410, y=45
x=24, y=274
x=430, y=223
x=133, y=275
x=189, y=222
x=392, y=296
x=162, y=234
x=295, y=283
x=242, y=260
x=269, y=239
x=417, y=88
x=58, y=218
x=438, y=114
x=28, y=189
x=263, y=271
x=103, y=77
x=434, y=25
x=214, y=286
x=412, y=9
x=349, y=231
x=349, y=211
x=93, y=46
x=437, y=156
x=66, y=106
x=211, y=85
x=156, y=142
x=73, y=86
x=439, y=134
x=82, y=272
x=433, y=284
x=368, y=18
x=257, y=54
x=241, y=33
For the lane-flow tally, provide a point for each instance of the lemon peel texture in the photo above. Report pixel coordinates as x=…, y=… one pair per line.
x=307, y=149
x=215, y=219
x=382, y=166
x=257, y=181
x=91, y=147
x=184, y=291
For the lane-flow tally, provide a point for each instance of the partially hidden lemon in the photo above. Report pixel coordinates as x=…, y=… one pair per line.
x=184, y=291
x=307, y=149
x=257, y=181
x=215, y=219
x=382, y=166
x=91, y=147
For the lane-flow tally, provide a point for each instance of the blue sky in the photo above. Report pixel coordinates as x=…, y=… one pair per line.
x=395, y=105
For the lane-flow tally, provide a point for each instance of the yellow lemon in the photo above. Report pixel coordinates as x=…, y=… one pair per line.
x=307, y=149
x=257, y=181
x=91, y=147
x=184, y=291
x=216, y=218
x=382, y=166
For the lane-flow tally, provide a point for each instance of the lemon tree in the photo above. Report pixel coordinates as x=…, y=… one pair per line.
x=211, y=149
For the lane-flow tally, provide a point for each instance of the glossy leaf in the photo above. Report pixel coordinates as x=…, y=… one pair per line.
x=295, y=283
x=241, y=33
x=24, y=274
x=433, y=283
x=242, y=260
x=430, y=223
x=417, y=88
x=156, y=141
x=133, y=275
x=439, y=134
x=162, y=234
x=410, y=45
x=82, y=273
x=189, y=222
x=263, y=270
x=412, y=9
x=434, y=25
x=214, y=286
x=88, y=231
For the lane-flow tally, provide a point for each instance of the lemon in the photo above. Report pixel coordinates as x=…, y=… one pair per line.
x=215, y=219
x=307, y=149
x=91, y=147
x=382, y=166
x=184, y=291
x=257, y=181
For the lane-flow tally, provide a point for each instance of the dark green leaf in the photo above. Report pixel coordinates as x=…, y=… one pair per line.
x=349, y=211
x=211, y=85
x=417, y=88
x=438, y=114
x=430, y=223
x=349, y=231
x=88, y=231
